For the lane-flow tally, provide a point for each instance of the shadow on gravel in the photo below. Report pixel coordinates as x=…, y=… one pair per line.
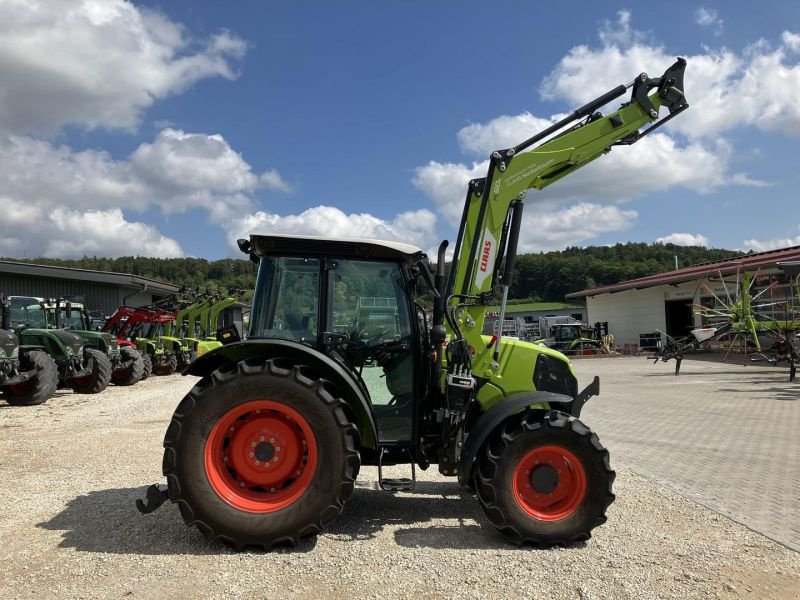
x=61, y=394
x=789, y=393
x=688, y=373
x=369, y=511
x=107, y=521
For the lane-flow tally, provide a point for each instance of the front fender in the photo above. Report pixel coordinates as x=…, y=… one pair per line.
x=489, y=421
x=352, y=394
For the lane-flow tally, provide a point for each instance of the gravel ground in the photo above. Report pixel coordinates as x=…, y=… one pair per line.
x=71, y=469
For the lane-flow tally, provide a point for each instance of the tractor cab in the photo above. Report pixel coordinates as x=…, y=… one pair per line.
x=351, y=300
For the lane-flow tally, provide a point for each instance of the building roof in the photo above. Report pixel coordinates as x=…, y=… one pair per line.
x=122, y=279
x=728, y=266
x=536, y=307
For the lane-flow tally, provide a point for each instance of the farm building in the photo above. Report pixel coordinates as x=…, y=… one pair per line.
x=522, y=320
x=103, y=291
x=637, y=311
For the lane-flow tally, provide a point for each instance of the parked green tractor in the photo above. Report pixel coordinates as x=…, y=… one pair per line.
x=127, y=365
x=28, y=375
x=82, y=367
x=265, y=449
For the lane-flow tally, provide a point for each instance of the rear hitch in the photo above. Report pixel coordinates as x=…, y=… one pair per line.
x=156, y=496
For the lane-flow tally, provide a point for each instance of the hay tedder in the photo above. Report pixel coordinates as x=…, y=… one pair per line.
x=266, y=448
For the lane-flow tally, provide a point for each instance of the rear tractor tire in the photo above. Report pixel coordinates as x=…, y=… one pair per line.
x=133, y=373
x=39, y=388
x=261, y=454
x=98, y=379
x=544, y=479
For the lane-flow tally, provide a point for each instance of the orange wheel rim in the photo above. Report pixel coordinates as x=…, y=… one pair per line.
x=260, y=456
x=549, y=483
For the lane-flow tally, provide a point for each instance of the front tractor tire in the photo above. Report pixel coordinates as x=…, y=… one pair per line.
x=134, y=372
x=168, y=366
x=544, y=479
x=39, y=388
x=96, y=381
x=261, y=454
x=147, y=365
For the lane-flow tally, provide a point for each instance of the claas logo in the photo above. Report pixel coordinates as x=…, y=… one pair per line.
x=487, y=248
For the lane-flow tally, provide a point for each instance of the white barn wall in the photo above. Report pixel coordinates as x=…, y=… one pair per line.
x=629, y=313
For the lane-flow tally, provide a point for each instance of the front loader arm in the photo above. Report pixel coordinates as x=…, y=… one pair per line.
x=487, y=237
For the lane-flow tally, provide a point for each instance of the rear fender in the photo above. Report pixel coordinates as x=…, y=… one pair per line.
x=347, y=386
x=492, y=418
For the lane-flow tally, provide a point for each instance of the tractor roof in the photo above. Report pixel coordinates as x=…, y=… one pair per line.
x=306, y=245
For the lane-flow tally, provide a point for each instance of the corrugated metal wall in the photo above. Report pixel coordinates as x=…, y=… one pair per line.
x=99, y=296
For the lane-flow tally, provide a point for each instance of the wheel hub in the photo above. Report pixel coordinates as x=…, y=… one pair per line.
x=544, y=479
x=264, y=451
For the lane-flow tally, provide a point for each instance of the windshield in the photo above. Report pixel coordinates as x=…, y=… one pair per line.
x=27, y=311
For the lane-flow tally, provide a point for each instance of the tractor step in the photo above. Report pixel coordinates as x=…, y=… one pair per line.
x=397, y=484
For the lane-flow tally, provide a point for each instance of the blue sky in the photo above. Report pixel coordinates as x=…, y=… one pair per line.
x=171, y=128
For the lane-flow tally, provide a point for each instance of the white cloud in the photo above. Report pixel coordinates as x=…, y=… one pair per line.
x=757, y=87
x=446, y=185
x=501, y=132
x=27, y=230
x=745, y=180
x=774, y=244
x=684, y=239
x=542, y=231
x=654, y=164
x=709, y=17
x=725, y=89
x=97, y=63
x=417, y=228
x=791, y=41
x=619, y=32
x=104, y=233
x=176, y=172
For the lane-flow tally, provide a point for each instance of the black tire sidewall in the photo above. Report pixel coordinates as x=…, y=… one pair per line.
x=596, y=485
x=324, y=490
x=496, y=491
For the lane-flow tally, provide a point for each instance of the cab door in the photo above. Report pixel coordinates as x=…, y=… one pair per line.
x=369, y=306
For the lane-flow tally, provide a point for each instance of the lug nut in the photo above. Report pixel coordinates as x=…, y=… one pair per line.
x=277, y=448
x=257, y=463
x=261, y=439
x=275, y=459
x=271, y=440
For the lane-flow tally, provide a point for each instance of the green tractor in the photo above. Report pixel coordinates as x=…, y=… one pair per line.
x=204, y=323
x=127, y=364
x=266, y=448
x=28, y=375
x=81, y=366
